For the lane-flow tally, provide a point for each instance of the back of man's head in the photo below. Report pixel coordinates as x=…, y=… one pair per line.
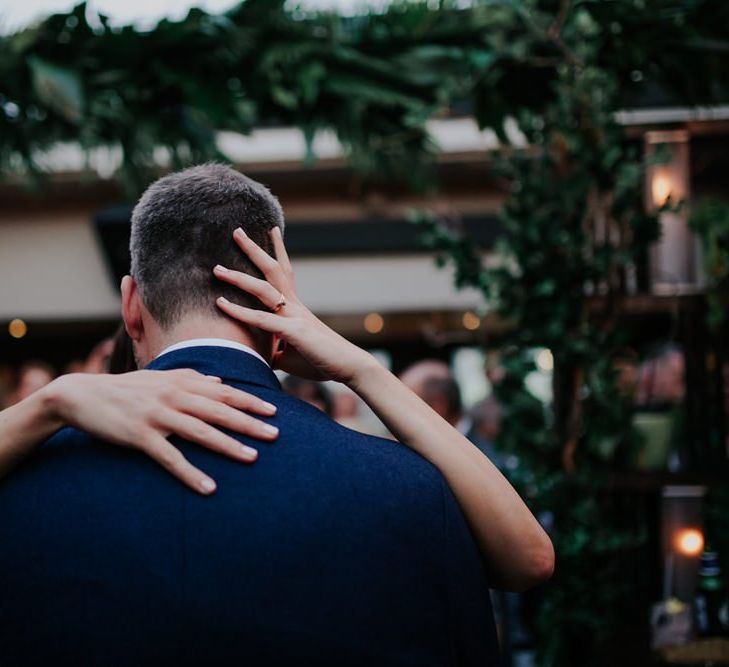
x=183, y=226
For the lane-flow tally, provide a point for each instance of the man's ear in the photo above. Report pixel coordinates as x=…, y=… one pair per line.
x=131, y=308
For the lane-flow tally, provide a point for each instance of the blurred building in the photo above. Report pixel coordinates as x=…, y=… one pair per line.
x=359, y=262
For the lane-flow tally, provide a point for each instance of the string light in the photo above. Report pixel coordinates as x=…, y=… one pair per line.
x=17, y=328
x=374, y=323
x=689, y=542
x=660, y=189
x=471, y=321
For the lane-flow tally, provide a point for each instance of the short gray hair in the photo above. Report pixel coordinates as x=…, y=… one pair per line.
x=183, y=226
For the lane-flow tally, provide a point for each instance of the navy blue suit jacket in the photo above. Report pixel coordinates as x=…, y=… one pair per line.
x=334, y=548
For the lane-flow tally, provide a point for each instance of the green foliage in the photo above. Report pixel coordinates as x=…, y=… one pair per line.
x=575, y=230
x=373, y=79
x=710, y=220
x=572, y=221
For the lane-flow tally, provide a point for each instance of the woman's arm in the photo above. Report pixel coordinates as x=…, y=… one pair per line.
x=516, y=548
x=519, y=552
x=25, y=425
x=139, y=410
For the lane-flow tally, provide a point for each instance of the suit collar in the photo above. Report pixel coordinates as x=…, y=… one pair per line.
x=228, y=364
x=212, y=342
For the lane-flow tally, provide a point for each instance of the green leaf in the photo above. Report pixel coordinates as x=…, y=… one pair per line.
x=59, y=88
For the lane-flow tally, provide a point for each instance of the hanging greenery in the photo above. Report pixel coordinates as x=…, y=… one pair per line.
x=574, y=228
x=558, y=69
x=710, y=220
x=575, y=232
x=373, y=79
x=178, y=85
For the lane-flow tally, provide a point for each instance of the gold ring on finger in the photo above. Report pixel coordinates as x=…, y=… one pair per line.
x=281, y=303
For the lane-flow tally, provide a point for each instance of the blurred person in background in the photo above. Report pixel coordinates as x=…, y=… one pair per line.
x=314, y=393
x=663, y=377
x=74, y=366
x=660, y=415
x=122, y=355
x=432, y=380
x=494, y=368
x=7, y=385
x=352, y=412
x=338, y=402
x=98, y=359
x=32, y=376
x=415, y=376
x=444, y=396
x=485, y=427
x=627, y=372
x=346, y=409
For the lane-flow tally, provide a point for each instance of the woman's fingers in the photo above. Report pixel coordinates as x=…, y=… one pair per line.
x=267, y=264
x=257, y=318
x=235, y=398
x=266, y=293
x=141, y=409
x=213, y=387
x=281, y=255
x=195, y=430
x=172, y=460
x=220, y=414
x=180, y=375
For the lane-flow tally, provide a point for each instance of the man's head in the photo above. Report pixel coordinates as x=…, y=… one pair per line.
x=314, y=393
x=444, y=396
x=432, y=380
x=486, y=416
x=415, y=375
x=181, y=228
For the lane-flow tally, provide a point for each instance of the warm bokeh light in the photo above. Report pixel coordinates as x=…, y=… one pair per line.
x=689, y=542
x=374, y=323
x=17, y=328
x=545, y=360
x=660, y=189
x=471, y=321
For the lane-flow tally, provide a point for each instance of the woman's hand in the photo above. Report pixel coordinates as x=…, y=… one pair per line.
x=308, y=339
x=141, y=409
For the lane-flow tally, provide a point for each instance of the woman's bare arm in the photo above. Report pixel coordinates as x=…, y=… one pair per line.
x=517, y=549
x=519, y=552
x=139, y=410
x=25, y=425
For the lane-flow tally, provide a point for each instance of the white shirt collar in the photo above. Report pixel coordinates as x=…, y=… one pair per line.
x=212, y=342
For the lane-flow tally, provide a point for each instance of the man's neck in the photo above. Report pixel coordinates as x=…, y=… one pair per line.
x=202, y=327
